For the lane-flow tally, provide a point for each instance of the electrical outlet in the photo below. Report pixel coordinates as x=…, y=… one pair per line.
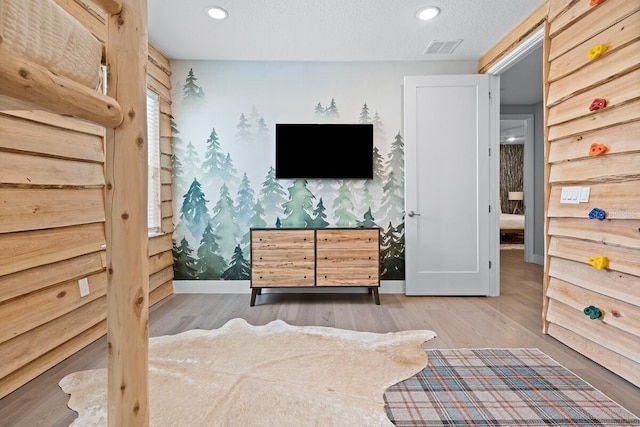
x=84, y=287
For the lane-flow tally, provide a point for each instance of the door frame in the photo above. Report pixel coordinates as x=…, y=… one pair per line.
x=529, y=205
x=510, y=58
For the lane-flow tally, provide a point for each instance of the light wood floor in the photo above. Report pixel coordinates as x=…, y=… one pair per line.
x=510, y=321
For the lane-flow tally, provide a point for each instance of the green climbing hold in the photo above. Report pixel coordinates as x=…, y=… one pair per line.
x=593, y=312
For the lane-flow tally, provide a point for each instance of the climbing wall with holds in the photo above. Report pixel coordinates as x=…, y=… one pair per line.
x=592, y=270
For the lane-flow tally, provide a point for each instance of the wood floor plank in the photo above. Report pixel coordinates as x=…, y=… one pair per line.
x=509, y=321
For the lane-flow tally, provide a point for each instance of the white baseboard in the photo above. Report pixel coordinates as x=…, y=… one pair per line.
x=538, y=259
x=243, y=287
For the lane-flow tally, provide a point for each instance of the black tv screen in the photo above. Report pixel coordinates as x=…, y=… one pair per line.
x=324, y=151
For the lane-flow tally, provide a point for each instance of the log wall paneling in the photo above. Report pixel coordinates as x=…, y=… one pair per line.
x=574, y=81
x=609, y=66
x=52, y=219
x=52, y=302
x=28, y=346
x=24, y=135
x=30, y=249
x=607, y=282
x=28, y=372
x=600, y=354
x=619, y=35
x=608, y=232
x=34, y=209
x=41, y=277
x=618, y=92
x=623, y=138
x=586, y=22
x=613, y=116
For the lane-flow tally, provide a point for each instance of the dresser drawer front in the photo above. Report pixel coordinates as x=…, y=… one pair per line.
x=282, y=273
x=348, y=239
x=282, y=239
x=348, y=276
x=346, y=258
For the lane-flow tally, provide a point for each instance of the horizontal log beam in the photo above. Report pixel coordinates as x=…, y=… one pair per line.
x=34, y=84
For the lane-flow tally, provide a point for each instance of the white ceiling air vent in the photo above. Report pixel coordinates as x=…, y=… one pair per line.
x=439, y=47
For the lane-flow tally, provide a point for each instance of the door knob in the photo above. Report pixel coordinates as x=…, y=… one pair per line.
x=412, y=214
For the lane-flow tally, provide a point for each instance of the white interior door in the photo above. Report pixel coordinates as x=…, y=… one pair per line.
x=447, y=181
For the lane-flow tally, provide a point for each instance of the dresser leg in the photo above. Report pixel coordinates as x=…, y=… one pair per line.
x=254, y=292
x=376, y=296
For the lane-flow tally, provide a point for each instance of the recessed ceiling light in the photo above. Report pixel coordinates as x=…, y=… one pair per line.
x=511, y=139
x=217, y=12
x=427, y=13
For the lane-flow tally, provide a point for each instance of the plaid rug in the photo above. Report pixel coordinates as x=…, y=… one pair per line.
x=499, y=387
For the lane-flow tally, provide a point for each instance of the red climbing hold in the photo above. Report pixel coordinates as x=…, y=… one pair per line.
x=598, y=104
x=595, y=2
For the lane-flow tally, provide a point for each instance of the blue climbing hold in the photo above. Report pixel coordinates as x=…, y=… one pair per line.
x=597, y=213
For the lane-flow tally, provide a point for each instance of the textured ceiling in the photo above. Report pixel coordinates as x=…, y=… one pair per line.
x=330, y=30
x=345, y=30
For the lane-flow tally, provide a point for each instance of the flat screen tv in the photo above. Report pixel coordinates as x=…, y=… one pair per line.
x=324, y=151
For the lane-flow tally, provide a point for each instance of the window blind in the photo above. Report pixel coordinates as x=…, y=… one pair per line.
x=154, y=216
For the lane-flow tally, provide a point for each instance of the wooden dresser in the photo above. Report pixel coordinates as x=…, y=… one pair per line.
x=295, y=258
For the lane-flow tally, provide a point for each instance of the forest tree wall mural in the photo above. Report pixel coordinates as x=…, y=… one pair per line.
x=224, y=155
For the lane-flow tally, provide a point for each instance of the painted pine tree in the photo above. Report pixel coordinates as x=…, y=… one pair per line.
x=326, y=189
x=374, y=186
x=392, y=254
x=244, y=201
x=368, y=221
x=229, y=174
x=392, y=207
x=331, y=113
x=256, y=221
x=319, y=216
x=262, y=134
x=177, y=173
x=343, y=207
x=183, y=263
x=364, y=115
x=243, y=134
x=224, y=222
x=190, y=164
x=252, y=118
x=378, y=128
x=272, y=197
x=366, y=198
x=190, y=90
x=239, y=268
x=298, y=206
x=210, y=264
x=213, y=163
x=194, y=209
x=319, y=112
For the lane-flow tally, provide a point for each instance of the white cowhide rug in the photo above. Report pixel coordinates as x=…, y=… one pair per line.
x=271, y=375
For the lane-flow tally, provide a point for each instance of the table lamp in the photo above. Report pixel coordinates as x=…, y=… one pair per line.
x=517, y=196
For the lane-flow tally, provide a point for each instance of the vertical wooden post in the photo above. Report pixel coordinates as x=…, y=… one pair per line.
x=126, y=222
x=547, y=169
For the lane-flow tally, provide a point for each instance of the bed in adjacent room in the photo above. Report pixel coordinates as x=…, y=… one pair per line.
x=511, y=223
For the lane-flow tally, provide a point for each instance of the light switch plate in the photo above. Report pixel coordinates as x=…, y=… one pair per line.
x=584, y=194
x=570, y=195
x=84, y=287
